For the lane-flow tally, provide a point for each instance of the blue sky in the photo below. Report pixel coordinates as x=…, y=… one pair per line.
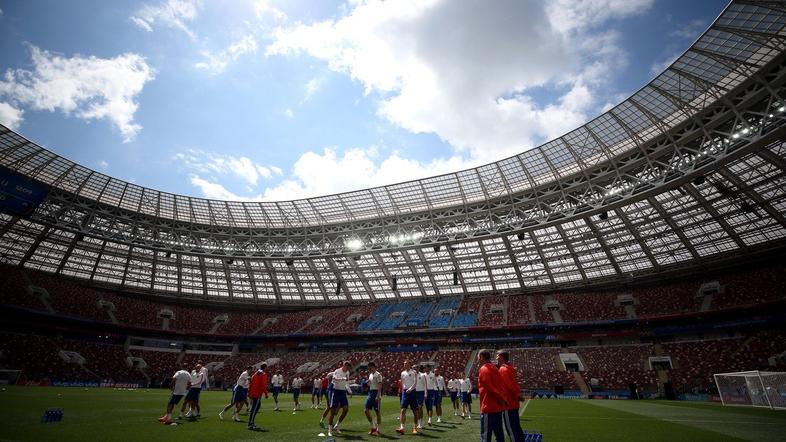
x=266, y=100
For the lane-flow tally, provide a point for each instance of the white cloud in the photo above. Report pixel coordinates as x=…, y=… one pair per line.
x=262, y=9
x=572, y=15
x=332, y=171
x=171, y=13
x=241, y=167
x=690, y=30
x=463, y=70
x=312, y=87
x=90, y=88
x=662, y=63
x=103, y=164
x=216, y=191
x=217, y=63
x=10, y=116
x=288, y=113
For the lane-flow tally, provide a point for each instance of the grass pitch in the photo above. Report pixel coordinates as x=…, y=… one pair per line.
x=109, y=415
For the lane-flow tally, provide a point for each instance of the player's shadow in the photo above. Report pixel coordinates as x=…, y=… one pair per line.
x=435, y=429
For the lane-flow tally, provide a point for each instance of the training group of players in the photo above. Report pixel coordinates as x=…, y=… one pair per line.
x=418, y=386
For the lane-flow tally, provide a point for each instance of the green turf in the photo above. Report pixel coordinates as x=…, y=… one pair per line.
x=108, y=415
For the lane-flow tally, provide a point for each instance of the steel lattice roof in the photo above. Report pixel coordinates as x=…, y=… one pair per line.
x=524, y=222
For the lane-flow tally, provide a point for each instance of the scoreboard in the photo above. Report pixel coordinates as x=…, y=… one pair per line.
x=20, y=195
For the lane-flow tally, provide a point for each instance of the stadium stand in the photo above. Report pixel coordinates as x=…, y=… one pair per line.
x=14, y=291
x=69, y=298
x=451, y=362
x=491, y=310
x=616, y=367
x=518, y=310
x=750, y=287
x=589, y=307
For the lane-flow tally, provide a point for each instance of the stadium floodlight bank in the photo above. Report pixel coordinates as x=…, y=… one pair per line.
x=753, y=388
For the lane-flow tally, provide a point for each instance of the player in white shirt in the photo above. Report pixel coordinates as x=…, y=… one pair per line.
x=192, y=398
x=408, y=397
x=420, y=390
x=277, y=381
x=180, y=385
x=453, y=390
x=338, y=398
x=441, y=391
x=203, y=371
x=465, y=388
x=316, y=393
x=297, y=384
x=239, y=394
x=203, y=385
x=431, y=393
x=374, y=398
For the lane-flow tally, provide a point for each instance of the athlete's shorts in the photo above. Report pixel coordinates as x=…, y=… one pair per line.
x=239, y=394
x=453, y=396
x=430, y=399
x=409, y=400
x=276, y=391
x=315, y=392
x=296, y=393
x=175, y=399
x=466, y=398
x=438, y=398
x=371, y=400
x=338, y=398
x=193, y=393
x=421, y=397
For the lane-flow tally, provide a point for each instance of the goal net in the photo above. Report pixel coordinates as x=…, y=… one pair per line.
x=9, y=376
x=752, y=388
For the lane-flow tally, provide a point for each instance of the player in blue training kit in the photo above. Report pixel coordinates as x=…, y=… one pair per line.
x=338, y=398
x=328, y=393
x=277, y=381
x=408, y=398
x=239, y=394
x=374, y=398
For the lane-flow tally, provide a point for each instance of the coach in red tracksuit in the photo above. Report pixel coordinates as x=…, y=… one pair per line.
x=256, y=388
x=510, y=417
x=492, y=399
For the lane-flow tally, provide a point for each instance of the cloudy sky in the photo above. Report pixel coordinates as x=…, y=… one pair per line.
x=273, y=100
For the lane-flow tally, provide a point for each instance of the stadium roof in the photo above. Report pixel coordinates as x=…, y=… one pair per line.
x=687, y=170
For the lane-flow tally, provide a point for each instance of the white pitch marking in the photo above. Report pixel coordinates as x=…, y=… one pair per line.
x=524, y=407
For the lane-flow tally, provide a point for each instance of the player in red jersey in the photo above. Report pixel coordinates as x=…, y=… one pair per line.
x=510, y=417
x=256, y=388
x=492, y=399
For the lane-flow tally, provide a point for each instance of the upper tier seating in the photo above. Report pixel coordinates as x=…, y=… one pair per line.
x=70, y=298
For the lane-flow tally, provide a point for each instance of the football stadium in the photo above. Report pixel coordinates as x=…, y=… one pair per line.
x=623, y=280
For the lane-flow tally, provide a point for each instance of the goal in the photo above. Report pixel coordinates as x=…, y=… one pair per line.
x=9, y=377
x=752, y=388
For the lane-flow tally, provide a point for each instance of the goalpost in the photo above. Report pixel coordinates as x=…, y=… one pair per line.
x=752, y=388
